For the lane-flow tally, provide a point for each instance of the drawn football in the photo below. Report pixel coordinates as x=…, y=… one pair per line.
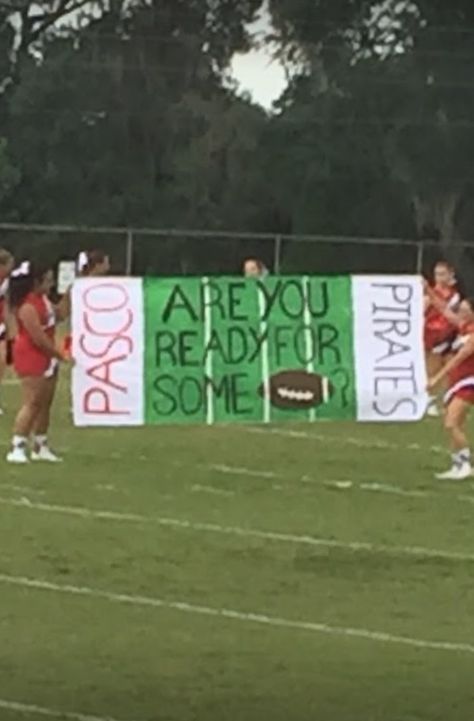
x=296, y=390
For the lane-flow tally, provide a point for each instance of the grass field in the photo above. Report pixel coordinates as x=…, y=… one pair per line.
x=311, y=573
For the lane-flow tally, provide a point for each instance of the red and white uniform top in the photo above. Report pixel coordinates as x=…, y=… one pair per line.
x=3, y=297
x=461, y=378
x=438, y=329
x=28, y=359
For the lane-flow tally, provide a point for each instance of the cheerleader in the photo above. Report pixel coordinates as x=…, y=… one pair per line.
x=439, y=331
x=459, y=374
x=6, y=267
x=35, y=359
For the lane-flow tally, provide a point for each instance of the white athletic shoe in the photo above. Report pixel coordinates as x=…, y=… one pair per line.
x=456, y=473
x=433, y=411
x=45, y=455
x=17, y=456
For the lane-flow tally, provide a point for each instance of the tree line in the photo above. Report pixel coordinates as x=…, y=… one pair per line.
x=122, y=113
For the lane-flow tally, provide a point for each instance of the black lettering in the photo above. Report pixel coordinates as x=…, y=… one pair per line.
x=259, y=339
x=238, y=394
x=215, y=346
x=211, y=297
x=237, y=345
x=269, y=297
x=402, y=293
x=305, y=345
x=235, y=300
x=220, y=389
x=328, y=337
x=191, y=396
x=292, y=303
x=387, y=412
x=280, y=343
x=321, y=308
x=165, y=345
x=166, y=404
x=399, y=327
x=178, y=300
x=186, y=345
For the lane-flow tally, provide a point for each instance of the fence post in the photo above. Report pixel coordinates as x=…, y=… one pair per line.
x=277, y=256
x=420, y=254
x=129, y=253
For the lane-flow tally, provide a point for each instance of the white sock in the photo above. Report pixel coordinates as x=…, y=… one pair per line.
x=19, y=442
x=460, y=458
x=40, y=441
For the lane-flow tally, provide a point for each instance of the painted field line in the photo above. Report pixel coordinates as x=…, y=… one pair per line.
x=32, y=710
x=342, y=485
x=232, y=615
x=353, y=546
x=236, y=471
x=344, y=440
x=212, y=491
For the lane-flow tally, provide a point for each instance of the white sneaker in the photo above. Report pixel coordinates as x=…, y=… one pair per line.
x=45, y=455
x=457, y=473
x=17, y=456
x=433, y=411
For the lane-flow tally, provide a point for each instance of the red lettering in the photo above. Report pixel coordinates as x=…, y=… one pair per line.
x=105, y=368
x=101, y=308
x=104, y=351
x=102, y=405
x=103, y=334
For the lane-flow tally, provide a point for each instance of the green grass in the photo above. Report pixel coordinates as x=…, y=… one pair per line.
x=87, y=654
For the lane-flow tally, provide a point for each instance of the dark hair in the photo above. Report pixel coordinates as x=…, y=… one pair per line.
x=20, y=286
x=445, y=264
x=94, y=258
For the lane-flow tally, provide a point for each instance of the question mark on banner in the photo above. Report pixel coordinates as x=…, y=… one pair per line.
x=342, y=385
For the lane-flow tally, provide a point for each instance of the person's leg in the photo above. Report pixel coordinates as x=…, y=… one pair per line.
x=25, y=418
x=41, y=450
x=434, y=363
x=3, y=367
x=454, y=423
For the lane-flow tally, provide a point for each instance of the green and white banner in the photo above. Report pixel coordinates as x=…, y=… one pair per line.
x=226, y=350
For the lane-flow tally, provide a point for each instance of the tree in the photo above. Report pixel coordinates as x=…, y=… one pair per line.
x=398, y=76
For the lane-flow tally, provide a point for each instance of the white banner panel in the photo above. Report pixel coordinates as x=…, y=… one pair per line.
x=108, y=350
x=388, y=348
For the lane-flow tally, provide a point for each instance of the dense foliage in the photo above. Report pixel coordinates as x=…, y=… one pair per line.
x=121, y=113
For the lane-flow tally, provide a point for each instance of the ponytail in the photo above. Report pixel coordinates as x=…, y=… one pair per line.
x=23, y=281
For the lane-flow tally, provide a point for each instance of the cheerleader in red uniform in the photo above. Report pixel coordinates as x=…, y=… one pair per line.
x=459, y=373
x=35, y=358
x=439, y=331
x=6, y=267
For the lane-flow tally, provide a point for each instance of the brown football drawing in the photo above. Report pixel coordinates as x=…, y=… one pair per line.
x=296, y=390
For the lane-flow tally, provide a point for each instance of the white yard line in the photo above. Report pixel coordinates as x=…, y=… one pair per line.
x=264, y=359
x=231, y=615
x=344, y=485
x=211, y=490
x=238, y=471
x=343, y=440
x=33, y=710
x=353, y=546
x=308, y=341
x=207, y=339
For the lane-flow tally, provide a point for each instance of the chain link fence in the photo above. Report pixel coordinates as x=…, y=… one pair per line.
x=180, y=252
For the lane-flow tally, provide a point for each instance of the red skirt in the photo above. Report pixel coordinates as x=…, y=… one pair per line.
x=438, y=342
x=29, y=361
